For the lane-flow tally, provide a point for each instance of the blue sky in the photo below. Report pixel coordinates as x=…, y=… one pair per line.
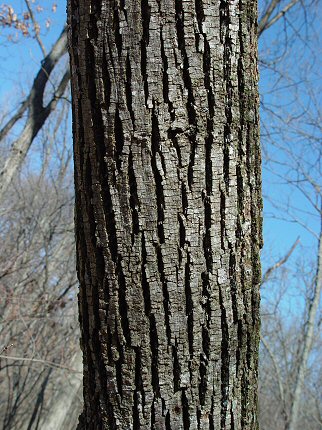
x=289, y=96
x=18, y=65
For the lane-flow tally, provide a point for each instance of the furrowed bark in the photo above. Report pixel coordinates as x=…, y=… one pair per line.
x=168, y=211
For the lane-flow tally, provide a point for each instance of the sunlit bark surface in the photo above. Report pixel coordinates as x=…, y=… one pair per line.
x=168, y=211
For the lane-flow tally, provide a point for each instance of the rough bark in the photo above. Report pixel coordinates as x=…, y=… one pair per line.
x=168, y=211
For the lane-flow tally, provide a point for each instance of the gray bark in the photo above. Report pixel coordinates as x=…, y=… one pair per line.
x=66, y=405
x=168, y=211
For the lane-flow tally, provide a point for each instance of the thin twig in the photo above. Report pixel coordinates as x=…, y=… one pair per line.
x=38, y=360
x=36, y=28
x=307, y=342
x=281, y=13
x=279, y=263
x=278, y=377
x=265, y=23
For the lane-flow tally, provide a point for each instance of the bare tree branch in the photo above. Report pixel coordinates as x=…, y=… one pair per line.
x=267, y=14
x=14, y=119
x=308, y=340
x=279, y=263
x=37, y=112
x=41, y=79
x=38, y=360
x=278, y=376
x=36, y=28
x=266, y=22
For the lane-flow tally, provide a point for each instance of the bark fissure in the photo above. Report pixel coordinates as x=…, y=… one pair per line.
x=207, y=237
x=154, y=344
x=134, y=199
x=190, y=104
x=185, y=411
x=119, y=139
x=155, y=146
x=106, y=81
x=145, y=284
x=128, y=89
x=145, y=16
x=117, y=34
x=166, y=301
x=165, y=79
x=176, y=369
x=123, y=307
x=189, y=305
x=224, y=362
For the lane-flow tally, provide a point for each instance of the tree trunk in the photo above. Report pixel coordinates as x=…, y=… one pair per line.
x=168, y=211
x=66, y=405
x=307, y=343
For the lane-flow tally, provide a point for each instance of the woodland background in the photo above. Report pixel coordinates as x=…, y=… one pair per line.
x=40, y=361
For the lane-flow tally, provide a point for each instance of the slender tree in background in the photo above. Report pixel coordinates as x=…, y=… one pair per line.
x=168, y=211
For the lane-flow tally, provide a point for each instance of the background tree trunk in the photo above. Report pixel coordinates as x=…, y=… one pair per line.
x=66, y=405
x=168, y=211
